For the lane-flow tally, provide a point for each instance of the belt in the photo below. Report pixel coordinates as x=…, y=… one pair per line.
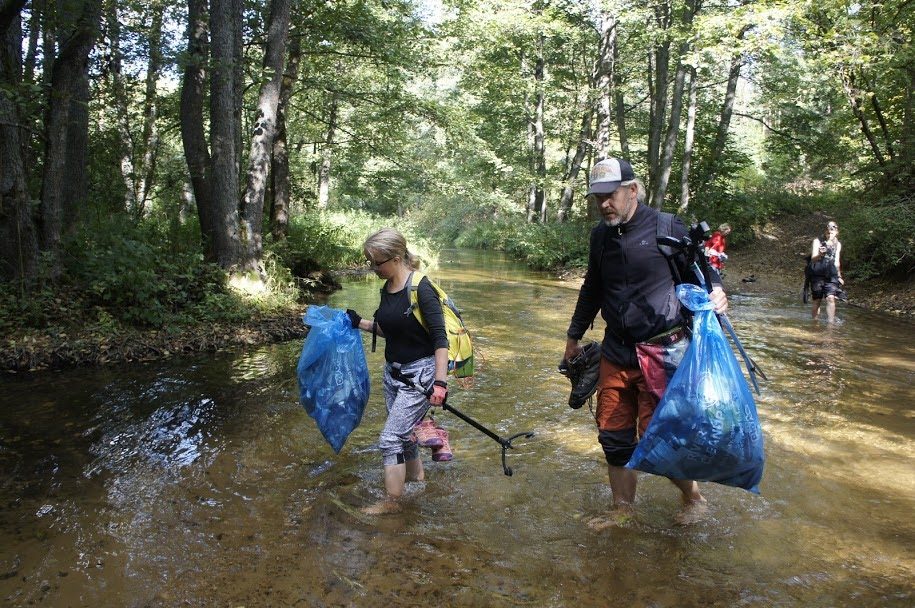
x=669, y=337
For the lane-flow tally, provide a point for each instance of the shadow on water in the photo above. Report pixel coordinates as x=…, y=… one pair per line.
x=202, y=482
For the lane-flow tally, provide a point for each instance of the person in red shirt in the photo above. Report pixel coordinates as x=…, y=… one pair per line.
x=715, y=246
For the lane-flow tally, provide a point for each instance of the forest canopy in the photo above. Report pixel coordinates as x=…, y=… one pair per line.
x=148, y=149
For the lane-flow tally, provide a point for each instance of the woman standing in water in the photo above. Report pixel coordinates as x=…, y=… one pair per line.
x=409, y=351
x=826, y=271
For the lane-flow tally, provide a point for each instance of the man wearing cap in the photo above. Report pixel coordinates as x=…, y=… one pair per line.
x=630, y=281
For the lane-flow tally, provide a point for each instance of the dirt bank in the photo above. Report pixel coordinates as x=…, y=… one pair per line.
x=44, y=350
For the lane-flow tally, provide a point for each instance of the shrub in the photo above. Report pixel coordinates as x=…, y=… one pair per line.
x=878, y=238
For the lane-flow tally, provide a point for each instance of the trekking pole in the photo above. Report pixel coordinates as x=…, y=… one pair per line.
x=505, y=443
x=702, y=270
x=699, y=264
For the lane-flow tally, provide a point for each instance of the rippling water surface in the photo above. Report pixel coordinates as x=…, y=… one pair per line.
x=202, y=482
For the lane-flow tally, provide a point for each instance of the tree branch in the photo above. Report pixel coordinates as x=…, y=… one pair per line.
x=778, y=132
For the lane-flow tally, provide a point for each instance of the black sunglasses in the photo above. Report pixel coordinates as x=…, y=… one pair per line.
x=378, y=264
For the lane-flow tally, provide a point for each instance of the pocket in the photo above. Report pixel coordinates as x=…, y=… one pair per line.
x=658, y=363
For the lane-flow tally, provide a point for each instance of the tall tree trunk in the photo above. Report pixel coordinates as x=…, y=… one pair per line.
x=529, y=114
x=327, y=153
x=855, y=100
x=688, y=143
x=119, y=102
x=226, y=243
x=193, y=134
x=724, y=119
x=18, y=234
x=603, y=79
x=279, y=211
x=77, y=188
x=658, y=61
x=665, y=162
x=67, y=87
x=539, y=139
x=150, y=142
x=238, y=78
x=31, y=55
x=908, y=128
x=881, y=120
x=620, y=106
x=568, y=189
x=264, y=131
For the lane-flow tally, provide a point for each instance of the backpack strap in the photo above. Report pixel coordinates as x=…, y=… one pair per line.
x=413, y=285
x=666, y=228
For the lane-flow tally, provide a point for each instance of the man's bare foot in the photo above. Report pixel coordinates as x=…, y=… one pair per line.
x=692, y=512
x=383, y=507
x=618, y=517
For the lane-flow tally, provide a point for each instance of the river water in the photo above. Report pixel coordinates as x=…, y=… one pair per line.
x=201, y=481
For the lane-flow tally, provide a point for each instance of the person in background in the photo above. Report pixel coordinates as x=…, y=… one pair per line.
x=715, y=246
x=409, y=350
x=826, y=271
x=631, y=283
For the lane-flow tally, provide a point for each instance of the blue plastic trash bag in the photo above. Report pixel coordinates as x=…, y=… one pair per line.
x=705, y=426
x=333, y=376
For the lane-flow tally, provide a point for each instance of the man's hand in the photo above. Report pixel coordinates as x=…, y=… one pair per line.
x=439, y=392
x=719, y=299
x=572, y=349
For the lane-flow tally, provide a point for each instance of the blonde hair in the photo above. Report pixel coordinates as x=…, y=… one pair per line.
x=389, y=243
x=724, y=228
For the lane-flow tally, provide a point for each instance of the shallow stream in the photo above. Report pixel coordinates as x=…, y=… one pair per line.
x=201, y=481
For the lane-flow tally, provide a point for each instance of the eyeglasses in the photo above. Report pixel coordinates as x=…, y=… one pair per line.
x=374, y=264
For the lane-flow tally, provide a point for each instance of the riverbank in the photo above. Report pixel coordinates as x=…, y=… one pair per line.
x=770, y=265
x=74, y=347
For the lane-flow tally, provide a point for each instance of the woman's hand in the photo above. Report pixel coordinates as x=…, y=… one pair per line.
x=439, y=392
x=354, y=318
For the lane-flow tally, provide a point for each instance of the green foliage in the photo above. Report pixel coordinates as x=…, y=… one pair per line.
x=134, y=275
x=879, y=239
x=540, y=246
x=333, y=240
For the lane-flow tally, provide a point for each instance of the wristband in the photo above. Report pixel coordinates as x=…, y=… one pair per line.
x=440, y=383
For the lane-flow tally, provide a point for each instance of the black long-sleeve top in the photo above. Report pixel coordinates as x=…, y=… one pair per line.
x=630, y=281
x=405, y=338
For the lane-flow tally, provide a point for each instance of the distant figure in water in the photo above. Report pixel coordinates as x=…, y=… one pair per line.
x=715, y=246
x=826, y=271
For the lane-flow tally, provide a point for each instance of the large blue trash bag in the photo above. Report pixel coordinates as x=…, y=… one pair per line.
x=333, y=376
x=705, y=426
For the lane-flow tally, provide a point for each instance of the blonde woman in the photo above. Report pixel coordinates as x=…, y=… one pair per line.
x=826, y=271
x=410, y=350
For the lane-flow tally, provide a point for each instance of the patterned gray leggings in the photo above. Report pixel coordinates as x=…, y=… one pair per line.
x=406, y=406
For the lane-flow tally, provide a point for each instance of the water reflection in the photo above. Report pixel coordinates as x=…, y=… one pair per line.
x=202, y=481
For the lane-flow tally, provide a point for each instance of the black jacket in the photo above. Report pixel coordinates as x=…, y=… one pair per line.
x=631, y=282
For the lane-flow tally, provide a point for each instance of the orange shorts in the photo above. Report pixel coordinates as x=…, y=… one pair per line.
x=624, y=400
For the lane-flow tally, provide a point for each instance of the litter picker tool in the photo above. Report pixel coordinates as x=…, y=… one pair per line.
x=505, y=443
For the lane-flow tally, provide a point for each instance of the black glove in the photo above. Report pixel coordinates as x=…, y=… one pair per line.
x=354, y=318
